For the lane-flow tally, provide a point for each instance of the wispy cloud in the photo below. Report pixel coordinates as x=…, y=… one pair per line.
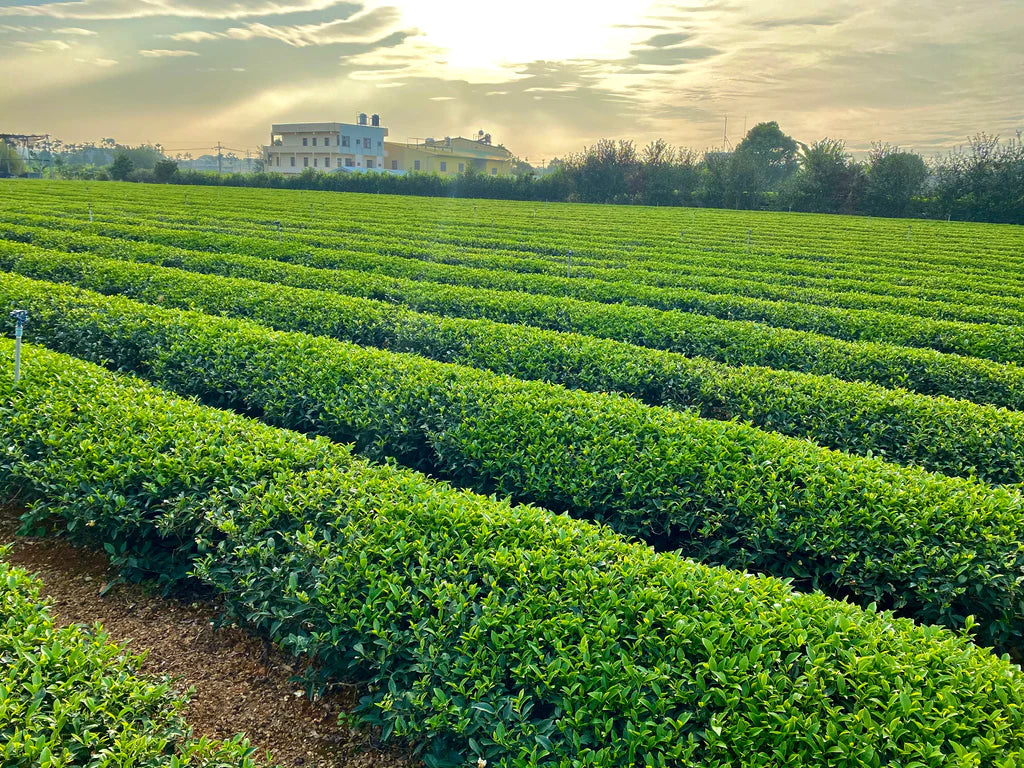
x=79, y=31
x=43, y=46
x=136, y=9
x=362, y=28
x=163, y=53
x=194, y=37
x=99, y=62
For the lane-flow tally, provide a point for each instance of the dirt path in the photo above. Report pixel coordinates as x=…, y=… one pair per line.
x=237, y=688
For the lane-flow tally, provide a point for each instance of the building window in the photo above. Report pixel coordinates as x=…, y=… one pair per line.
x=462, y=167
x=314, y=141
x=305, y=141
x=315, y=160
x=494, y=171
x=327, y=141
x=293, y=162
x=344, y=141
x=367, y=143
x=305, y=162
x=369, y=163
x=348, y=162
x=416, y=165
x=327, y=162
x=444, y=166
x=277, y=161
x=394, y=165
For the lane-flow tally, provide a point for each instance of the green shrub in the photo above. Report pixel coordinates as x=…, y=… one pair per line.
x=733, y=342
x=70, y=697
x=953, y=437
x=487, y=631
x=934, y=547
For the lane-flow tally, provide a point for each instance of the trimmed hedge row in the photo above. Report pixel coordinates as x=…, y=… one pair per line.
x=483, y=631
x=933, y=547
x=1001, y=343
x=532, y=245
x=948, y=436
x=730, y=342
x=70, y=697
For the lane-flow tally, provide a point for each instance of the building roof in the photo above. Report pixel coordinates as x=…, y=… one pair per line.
x=459, y=147
x=316, y=127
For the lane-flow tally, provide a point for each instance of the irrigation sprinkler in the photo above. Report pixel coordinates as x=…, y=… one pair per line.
x=909, y=230
x=568, y=263
x=748, y=239
x=20, y=317
x=90, y=213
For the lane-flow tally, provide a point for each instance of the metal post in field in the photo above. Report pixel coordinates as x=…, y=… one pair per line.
x=568, y=264
x=748, y=239
x=20, y=317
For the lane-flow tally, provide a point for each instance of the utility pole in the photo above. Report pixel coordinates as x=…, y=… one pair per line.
x=219, y=157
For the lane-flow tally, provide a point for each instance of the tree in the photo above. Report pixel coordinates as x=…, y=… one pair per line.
x=121, y=167
x=894, y=177
x=982, y=182
x=604, y=172
x=11, y=163
x=828, y=180
x=164, y=170
x=762, y=161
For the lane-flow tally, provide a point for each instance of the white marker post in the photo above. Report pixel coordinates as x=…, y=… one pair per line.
x=20, y=317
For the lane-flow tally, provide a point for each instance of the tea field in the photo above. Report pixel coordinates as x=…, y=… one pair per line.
x=552, y=484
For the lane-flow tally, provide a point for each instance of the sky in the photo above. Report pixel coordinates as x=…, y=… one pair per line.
x=544, y=77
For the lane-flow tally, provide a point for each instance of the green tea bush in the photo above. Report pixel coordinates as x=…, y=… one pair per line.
x=731, y=342
x=938, y=434
x=70, y=697
x=485, y=631
x=998, y=342
x=933, y=547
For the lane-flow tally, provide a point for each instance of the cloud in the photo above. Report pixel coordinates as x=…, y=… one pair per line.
x=98, y=62
x=671, y=38
x=75, y=31
x=137, y=9
x=194, y=37
x=666, y=57
x=359, y=29
x=43, y=46
x=162, y=53
x=822, y=20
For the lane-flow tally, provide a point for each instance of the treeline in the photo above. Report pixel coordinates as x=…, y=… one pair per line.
x=767, y=170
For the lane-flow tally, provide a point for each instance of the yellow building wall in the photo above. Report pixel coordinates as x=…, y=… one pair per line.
x=430, y=162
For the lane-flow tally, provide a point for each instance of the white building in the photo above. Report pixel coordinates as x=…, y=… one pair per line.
x=326, y=146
